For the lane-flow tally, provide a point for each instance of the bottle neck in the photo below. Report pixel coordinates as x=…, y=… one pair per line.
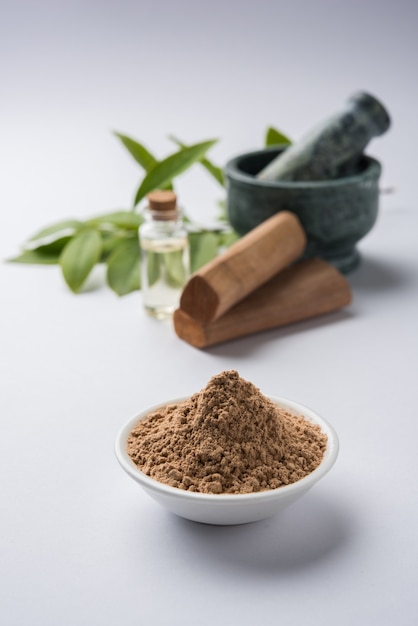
x=162, y=215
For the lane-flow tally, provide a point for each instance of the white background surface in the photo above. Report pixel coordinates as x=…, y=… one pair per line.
x=80, y=542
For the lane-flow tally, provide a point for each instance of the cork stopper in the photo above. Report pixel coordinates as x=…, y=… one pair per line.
x=162, y=200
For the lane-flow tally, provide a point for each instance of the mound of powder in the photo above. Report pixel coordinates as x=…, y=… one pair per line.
x=228, y=438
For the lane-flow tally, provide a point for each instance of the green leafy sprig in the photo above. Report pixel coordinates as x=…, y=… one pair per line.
x=112, y=238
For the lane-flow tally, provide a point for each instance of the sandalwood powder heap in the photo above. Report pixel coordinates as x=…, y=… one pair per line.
x=227, y=438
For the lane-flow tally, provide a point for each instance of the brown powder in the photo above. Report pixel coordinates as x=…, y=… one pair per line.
x=228, y=438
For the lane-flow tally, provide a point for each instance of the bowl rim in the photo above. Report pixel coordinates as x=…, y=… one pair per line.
x=233, y=172
x=148, y=483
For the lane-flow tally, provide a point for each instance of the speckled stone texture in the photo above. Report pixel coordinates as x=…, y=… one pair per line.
x=333, y=148
x=335, y=214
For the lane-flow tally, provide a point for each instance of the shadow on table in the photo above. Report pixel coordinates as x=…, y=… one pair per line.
x=376, y=275
x=307, y=533
x=243, y=346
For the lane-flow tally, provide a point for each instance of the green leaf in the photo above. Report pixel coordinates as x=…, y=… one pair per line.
x=120, y=219
x=53, y=232
x=274, y=137
x=79, y=257
x=228, y=238
x=203, y=248
x=55, y=247
x=111, y=239
x=123, y=274
x=172, y=166
x=138, y=151
x=36, y=257
x=214, y=170
x=222, y=211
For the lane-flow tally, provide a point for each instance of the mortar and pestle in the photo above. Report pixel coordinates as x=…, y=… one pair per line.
x=300, y=211
x=325, y=179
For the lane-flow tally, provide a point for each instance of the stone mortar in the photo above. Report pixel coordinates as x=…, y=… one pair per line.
x=335, y=214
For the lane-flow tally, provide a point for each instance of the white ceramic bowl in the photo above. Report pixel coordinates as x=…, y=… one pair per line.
x=227, y=509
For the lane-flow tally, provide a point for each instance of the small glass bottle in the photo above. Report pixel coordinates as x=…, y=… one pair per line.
x=164, y=254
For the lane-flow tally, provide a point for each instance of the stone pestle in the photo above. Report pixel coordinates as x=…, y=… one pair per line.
x=331, y=149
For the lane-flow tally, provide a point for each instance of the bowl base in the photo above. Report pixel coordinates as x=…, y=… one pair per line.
x=344, y=263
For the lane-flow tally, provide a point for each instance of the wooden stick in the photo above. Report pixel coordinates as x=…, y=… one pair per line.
x=247, y=264
x=306, y=289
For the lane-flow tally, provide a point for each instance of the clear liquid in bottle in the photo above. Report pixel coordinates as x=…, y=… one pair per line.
x=164, y=273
